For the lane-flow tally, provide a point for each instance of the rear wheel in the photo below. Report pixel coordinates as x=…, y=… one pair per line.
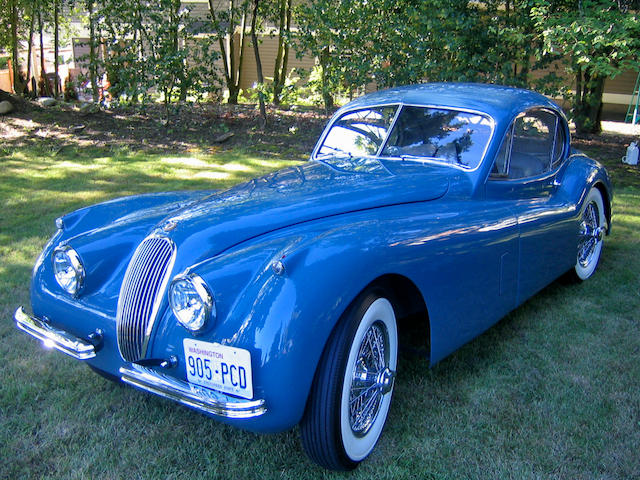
x=352, y=389
x=593, y=226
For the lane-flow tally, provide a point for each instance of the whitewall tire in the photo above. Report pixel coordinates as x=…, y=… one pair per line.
x=351, y=395
x=592, y=229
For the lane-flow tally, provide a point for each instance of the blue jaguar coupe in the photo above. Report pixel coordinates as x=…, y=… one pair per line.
x=434, y=208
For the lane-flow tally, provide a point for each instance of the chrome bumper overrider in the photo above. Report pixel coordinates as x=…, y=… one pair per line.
x=51, y=337
x=199, y=398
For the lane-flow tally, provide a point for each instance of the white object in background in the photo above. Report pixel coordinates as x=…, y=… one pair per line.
x=631, y=158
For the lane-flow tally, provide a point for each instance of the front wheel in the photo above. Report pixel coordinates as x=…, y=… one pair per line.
x=593, y=226
x=353, y=385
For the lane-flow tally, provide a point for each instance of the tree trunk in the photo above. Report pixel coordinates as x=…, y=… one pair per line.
x=226, y=53
x=15, y=60
x=326, y=88
x=30, y=48
x=587, y=102
x=56, y=47
x=180, y=76
x=93, y=66
x=256, y=52
x=46, y=87
x=285, y=58
x=236, y=74
x=282, y=56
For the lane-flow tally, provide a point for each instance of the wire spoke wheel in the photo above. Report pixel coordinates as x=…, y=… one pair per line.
x=593, y=226
x=371, y=380
x=352, y=390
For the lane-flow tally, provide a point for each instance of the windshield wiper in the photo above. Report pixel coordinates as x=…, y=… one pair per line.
x=420, y=158
x=410, y=157
x=335, y=149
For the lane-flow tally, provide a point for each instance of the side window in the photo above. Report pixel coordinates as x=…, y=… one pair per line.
x=501, y=165
x=558, y=148
x=533, y=146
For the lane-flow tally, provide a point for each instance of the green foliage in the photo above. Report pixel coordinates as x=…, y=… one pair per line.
x=291, y=93
x=395, y=42
x=599, y=39
x=152, y=46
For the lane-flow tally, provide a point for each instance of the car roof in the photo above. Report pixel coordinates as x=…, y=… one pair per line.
x=499, y=102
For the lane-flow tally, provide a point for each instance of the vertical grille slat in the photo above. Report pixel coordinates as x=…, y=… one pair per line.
x=140, y=294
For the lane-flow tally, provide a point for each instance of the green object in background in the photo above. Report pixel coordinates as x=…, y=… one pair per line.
x=633, y=115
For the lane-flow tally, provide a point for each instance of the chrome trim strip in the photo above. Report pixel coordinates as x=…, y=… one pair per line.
x=199, y=398
x=60, y=340
x=391, y=127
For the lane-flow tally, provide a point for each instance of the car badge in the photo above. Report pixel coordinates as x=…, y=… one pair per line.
x=171, y=225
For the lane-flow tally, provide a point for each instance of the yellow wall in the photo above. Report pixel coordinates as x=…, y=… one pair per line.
x=5, y=81
x=268, y=51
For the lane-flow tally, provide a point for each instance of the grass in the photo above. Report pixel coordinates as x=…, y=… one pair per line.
x=552, y=391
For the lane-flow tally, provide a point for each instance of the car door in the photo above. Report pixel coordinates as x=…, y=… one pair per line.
x=527, y=174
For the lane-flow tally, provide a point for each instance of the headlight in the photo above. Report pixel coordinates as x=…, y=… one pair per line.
x=68, y=269
x=191, y=301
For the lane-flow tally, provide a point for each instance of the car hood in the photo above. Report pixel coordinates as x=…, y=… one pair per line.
x=204, y=224
x=299, y=194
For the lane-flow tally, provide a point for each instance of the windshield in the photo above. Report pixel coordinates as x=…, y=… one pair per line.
x=360, y=132
x=420, y=133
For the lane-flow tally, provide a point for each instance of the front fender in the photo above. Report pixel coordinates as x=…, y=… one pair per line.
x=283, y=320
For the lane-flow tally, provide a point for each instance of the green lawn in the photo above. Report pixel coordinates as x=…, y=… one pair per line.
x=552, y=391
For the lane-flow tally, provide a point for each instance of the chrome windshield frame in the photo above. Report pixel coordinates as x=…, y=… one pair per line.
x=400, y=106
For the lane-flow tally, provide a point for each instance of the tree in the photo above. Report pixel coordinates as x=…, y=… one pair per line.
x=93, y=57
x=19, y=17
x=256, y=52
x=395, y=42
x=225, y=23
x=599, y=39
x=150, y=46
x=46, y=87
x=12, y=14
x=327, y=31
x=30, y=42
x=282, y=57
x=56, y=47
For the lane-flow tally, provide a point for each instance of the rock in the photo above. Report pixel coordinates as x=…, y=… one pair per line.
x=223, y=138
x=6, y=107
x=18, y=103
x=46, y=101
x=89, y=108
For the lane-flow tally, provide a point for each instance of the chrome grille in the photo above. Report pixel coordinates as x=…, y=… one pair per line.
x=144, y=282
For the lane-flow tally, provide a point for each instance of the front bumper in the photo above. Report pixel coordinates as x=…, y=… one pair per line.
x=78, y=348
x=203, y=399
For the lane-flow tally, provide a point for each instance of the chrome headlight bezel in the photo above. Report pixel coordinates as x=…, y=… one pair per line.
x=194, y=286
x=72, y=285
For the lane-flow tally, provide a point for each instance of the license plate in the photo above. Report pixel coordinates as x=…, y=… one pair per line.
x=222, y=368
